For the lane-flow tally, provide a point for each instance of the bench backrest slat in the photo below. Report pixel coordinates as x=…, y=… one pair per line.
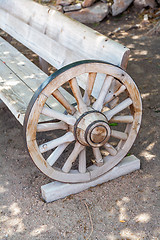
x=55, y=37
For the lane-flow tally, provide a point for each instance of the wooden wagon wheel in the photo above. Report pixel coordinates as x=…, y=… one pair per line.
x=96, y=132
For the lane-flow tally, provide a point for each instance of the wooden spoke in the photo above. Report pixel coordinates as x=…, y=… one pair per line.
x=58, y=95
x=56, y=153
x=111, y=96
x=122, y=142
x=89, y=87
x=122, y=119
x=126, y=103
x=105, y=87
x=82, y=161
x=68, y=164
x=98, y=156
x=68, y=137
x=78, y=96
x=43, y=127
x=119, y=135
x=58, y=115
x=114, y=102
x=110, y=149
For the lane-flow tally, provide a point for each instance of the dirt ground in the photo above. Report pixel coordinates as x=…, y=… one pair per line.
x=125, y=208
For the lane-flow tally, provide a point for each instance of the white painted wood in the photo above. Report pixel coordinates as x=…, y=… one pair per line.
x=67, y=138
x=112, y=95
x=98, y=156
x=56, y=190
x=120, y=107
x=20, y=78
x=98, y=104
x=72, y=157
x=114, y=102
x=118, y=134
x=82, y=161
x=11, y=92
x=43, y=65
x=58, y=115
x=56, y=153
x=70, y=34
x=109, y=161
x=110, y=149
x=43, y=127
x=55, y=53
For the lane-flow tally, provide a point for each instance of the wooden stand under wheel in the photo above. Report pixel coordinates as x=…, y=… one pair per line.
x=92, y=131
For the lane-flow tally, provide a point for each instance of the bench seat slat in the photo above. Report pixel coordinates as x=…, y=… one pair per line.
x=20, y=78
x=12, y=91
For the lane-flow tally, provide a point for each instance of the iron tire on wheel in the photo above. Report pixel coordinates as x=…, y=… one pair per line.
x=110, y=102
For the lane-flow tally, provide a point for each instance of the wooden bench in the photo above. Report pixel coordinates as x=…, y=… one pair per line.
x=89, y=121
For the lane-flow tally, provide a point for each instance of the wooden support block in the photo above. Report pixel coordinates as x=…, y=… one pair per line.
x=56, y=190
x=43, y=65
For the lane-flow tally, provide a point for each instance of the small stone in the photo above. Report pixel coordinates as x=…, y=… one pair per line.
x=64, y=2
x=93, y=14
x=144, y=3
x=88, y=3
x=75, y=7
x=57, y=7
x=120, y=6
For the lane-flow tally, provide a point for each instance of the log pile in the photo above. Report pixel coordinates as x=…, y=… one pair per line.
x=93, y=11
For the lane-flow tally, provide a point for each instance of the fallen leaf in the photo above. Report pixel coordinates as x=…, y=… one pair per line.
x=122, y=221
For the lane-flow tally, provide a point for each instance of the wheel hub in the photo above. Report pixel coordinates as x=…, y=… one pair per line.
x=92, y=129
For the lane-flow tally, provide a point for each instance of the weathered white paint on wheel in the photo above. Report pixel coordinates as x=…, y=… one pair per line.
x=132, y=120
x=68, y=137
x=103, y=92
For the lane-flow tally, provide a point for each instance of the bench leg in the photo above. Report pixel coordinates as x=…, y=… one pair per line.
x=43, y=65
